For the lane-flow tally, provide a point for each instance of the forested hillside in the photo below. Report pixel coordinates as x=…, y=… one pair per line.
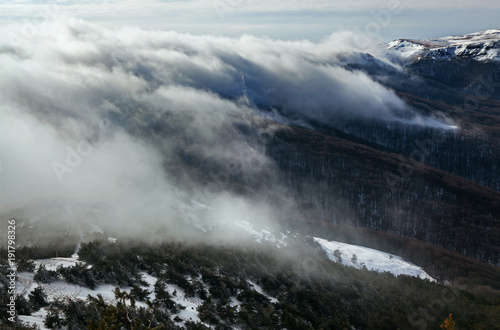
x=254, y=287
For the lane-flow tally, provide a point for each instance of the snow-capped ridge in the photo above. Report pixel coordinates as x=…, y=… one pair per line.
x=480, y=46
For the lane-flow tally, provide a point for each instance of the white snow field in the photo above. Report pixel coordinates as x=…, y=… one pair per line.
x=371, y=259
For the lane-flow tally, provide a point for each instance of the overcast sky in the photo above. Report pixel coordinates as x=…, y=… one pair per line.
x=284, y=19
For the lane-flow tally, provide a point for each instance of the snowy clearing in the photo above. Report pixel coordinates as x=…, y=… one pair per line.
x=359, y=257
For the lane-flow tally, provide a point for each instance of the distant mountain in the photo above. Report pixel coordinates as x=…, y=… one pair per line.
x=480, y=46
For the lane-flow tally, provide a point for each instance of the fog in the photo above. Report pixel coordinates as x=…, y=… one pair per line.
x=96, y=124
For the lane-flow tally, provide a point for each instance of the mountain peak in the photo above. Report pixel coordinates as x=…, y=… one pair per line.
x=484, y=45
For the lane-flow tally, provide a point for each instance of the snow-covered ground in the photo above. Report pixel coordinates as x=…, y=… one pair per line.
x=406, y=49
x=482, y=46
x=37, y=318
x=52, y=264
x=62, y=290
x=359, y=257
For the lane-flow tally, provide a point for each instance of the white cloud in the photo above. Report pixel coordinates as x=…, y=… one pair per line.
x=146, y=100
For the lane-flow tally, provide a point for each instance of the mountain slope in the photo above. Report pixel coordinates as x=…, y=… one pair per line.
x=480, y=46
x=348, y=183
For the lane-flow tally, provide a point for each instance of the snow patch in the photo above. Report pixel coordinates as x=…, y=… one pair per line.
x=259, y=289
x=371, y=259
x=53, y=263
x=264, y=234
x=37, y=318
x=428, y=122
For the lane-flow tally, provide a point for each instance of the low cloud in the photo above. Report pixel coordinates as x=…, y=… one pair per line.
x=110, y=118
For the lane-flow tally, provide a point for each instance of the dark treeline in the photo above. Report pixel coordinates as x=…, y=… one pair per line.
x=349, y=183
x=471, y=156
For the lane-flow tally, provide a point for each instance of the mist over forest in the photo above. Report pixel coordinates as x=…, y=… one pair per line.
x=181, y=179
